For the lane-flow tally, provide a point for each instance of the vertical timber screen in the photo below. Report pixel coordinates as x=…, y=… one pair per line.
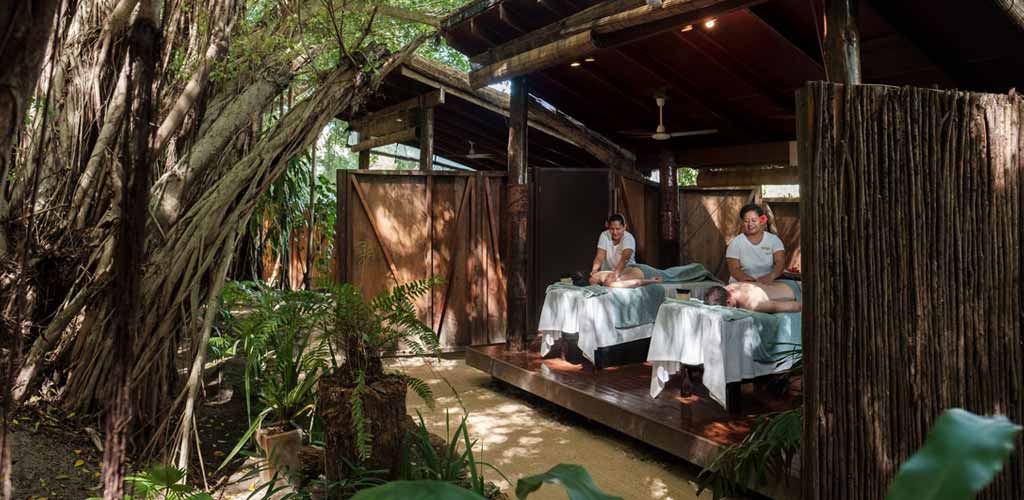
x=911, y=217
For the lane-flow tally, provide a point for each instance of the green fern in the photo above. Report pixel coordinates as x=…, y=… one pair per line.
x=360, y=429
x=421, y=388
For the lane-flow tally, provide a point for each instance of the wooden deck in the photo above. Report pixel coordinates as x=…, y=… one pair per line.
x=692, y=427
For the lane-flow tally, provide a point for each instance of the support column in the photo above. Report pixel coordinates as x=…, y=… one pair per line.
x=364, y=155
x=669, y=209
x=842, y=41
x=426, y=138
x=518, y=210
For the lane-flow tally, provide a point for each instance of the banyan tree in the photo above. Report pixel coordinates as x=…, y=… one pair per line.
x=136, y=138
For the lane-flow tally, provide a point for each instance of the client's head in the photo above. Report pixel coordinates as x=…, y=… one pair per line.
x=718, y=296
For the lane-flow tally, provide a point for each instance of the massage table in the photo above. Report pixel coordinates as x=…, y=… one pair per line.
x=585, y=325
x=733, y=345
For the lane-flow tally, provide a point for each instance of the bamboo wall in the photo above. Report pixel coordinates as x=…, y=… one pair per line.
x=912, y=205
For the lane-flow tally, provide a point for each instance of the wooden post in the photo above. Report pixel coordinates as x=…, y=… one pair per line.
x=518, y=212
x=842, y=42
x=427, y=138
x=669, y=208
x=364, y=155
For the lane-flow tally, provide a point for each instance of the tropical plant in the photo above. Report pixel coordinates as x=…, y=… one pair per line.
x=766, y=452
x=363, y=330
x=963, y=453
x=162, y=482
x=574, y=478
x=450, y=464
x=284, y=359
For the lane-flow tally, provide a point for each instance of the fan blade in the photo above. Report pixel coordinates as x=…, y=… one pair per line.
x=695, y=132
x=479, y=156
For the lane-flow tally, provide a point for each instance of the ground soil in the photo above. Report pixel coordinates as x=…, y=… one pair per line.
x=523, y=435
x=516, y=432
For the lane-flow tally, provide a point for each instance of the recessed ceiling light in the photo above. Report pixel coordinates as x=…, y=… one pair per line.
x=589, y=59
x=686, y=28
x=710, y=23
x=575, y=64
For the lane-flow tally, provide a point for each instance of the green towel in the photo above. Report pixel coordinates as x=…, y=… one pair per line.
x=588, y=291
x=779, y=333
x=678, y=274
x=630, y=307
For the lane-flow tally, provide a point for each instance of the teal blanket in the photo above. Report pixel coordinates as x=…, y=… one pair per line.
x=779, y=332
x=630, y=307
x=678, y=274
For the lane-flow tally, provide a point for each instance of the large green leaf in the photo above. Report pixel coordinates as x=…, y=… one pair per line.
x=417, y=490
x=576, y=480
x=963, y=453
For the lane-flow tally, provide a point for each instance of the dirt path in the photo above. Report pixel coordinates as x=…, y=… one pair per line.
x=524, y=435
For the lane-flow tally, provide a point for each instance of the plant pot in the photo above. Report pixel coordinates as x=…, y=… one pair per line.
x=384, y=415
x=282, y=451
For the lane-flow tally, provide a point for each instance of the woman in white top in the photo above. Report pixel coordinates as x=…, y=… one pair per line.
x=755, y=255
x=616, y=248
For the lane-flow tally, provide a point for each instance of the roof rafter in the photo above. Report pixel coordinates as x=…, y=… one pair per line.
x=607, y=24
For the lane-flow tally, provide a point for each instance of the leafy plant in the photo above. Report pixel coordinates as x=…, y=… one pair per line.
x=574, y=478
x=161, y=482
x=767, y=452
x=424, y=461
x=417, y=490
x=364, y=330
x=277, y=328
x=963, y=453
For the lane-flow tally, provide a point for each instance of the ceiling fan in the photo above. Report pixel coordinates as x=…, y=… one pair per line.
x=660, y=134
x=473, y=155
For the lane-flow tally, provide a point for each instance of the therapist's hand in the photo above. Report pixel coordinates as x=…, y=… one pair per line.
x=613, y=277
x=766, y=279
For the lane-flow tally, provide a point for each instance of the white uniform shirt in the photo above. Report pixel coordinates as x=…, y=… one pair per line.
x=613, y=252
x=755, y=260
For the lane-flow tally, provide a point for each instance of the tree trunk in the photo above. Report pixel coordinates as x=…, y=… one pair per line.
x=130, y=243
x=383, y=411
x=912, y=246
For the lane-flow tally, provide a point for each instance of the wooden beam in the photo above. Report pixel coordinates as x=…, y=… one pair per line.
x=766, y=153
x=396, y=13
x=842, y=42
x=518, y=210
x=399, y=110
x=582, y=34
x=427, y=139
x=1014, y=9
x=554, y=31
x=406, y=135
x=725, y=177
x=552, y=123
x=467, y=12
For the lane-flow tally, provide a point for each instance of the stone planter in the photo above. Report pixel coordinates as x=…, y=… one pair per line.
x=282, y=451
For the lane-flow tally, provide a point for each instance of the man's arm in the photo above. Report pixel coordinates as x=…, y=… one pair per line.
x=736, y=271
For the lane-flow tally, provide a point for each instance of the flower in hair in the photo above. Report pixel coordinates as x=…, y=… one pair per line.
x=764, y=219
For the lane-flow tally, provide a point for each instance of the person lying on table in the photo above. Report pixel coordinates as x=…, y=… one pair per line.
x=756, y=255
x=615, y=253
x=772, y=298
